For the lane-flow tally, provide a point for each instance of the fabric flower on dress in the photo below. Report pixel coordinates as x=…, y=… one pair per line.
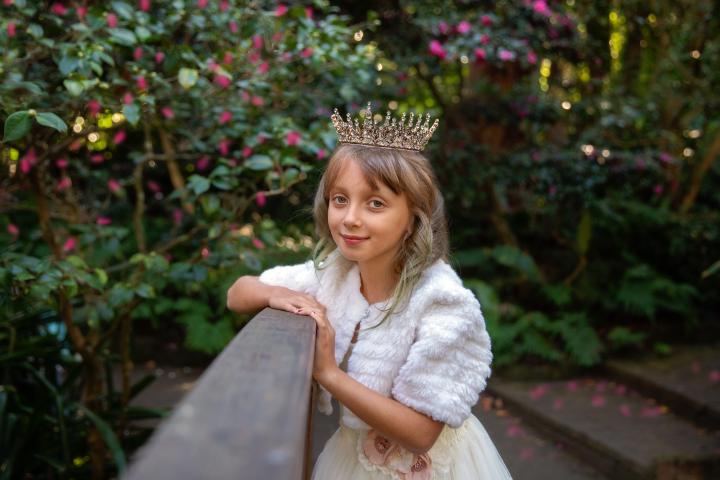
x=383, y=452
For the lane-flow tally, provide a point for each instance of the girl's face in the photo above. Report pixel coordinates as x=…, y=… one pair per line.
x=367, y=225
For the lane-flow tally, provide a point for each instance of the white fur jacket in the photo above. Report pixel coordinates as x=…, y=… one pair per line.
x=434, y=356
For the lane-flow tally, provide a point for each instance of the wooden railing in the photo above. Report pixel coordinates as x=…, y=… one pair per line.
x=250, y=414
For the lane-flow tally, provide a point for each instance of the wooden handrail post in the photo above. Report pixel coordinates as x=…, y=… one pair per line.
x=250, y=414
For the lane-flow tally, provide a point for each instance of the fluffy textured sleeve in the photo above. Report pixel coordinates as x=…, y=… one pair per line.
x=301, y=277
x=449, y=362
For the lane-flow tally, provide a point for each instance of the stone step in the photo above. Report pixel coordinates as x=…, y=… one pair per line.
x=527, y=455
x=688, y=381
x=614, y=428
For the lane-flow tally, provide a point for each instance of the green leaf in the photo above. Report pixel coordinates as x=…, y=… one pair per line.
x=35, y=30
x=123, y=36
x=187, y=77
x=142, y=33
x=584, y=232
x=259, y=162
x=204, y=336
x=108, y=436
x=68, y=65
x=198, y=184
x=145, y=291
x=51, y=120
x=74, y=87
x=123, y=9
x=131, y=113
x=101, y=275
x=17, y=126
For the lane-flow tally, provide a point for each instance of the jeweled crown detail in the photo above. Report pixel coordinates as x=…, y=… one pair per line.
x=393, y=134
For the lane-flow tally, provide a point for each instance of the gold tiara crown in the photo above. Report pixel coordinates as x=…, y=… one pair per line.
x=389, y=134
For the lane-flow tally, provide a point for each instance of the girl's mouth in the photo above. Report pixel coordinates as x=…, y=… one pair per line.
x=353, y=240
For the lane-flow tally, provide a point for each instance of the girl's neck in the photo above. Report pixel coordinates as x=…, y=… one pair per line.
x=376, y=282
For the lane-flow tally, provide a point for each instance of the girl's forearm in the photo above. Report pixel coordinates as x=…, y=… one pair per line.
x=414, y=431
x=248, y=295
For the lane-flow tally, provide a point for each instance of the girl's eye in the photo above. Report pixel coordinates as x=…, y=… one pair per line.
x=339, y=199
x=377, y=204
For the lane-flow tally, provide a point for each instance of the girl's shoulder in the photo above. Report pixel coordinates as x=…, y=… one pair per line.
x=440, y=285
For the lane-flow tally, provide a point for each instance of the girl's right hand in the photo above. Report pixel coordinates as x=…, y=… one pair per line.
x=282, y=298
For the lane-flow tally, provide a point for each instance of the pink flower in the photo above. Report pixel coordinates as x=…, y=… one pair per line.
x=203, y=163
x=225, y=117
x=552, y=190
x=625, y=410
x=714, y=376
x=506, y=55
x=263, y=68
x=260, y=138
x=128, y=98
x=222, y=80
x=103, y=221
x=281, y=10
x=61, y=163
x=665, y=157
x=153, y=186
x=484, y=39
x=307, y=52
x=223, y=6
x=233, y=26
x=28, y=161
x=257, y=243
x=260, y=199
x=597, y=401
x=257, y=101
x=558, y=403
x=463, y=27
x=141, y=83
x=94, y=107
x=539, y=391
x=159, y=57
x=254, y=57
x=246, y=152
x=205, y=252
x=437, y=49
x=11, y=29
x=443, y=27
x=69, y=244
x=13, y=230
x=202, y=3
x=224, y=146
x=532, y=57
x=309, y=12
x=277, y=36
x=486, y=20
x=177, y=216
x=212, y=65
x=64, y=183
x=81, y=12
x=513, y=431
x=144, y=5
x=137, y=53
x=97, y=158
x=480, y=54
x=58, y=8
x=657, y=190
x=257, y=41
x=114, y=185
x=620, y=390
x=112, y=20
x=292, y=138
x=227, y=58
x=167, y=112
x=321, y=154
x=541, y=7
x=119, y=137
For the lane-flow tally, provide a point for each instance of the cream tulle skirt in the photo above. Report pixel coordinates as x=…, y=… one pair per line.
x=465, y=453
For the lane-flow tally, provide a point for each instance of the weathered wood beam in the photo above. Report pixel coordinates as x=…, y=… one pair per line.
x=249, y=414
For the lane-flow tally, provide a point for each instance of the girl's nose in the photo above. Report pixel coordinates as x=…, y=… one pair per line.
x=352, y=217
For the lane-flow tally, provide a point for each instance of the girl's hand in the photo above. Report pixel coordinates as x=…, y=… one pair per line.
x=325, y=361
x=291, y=301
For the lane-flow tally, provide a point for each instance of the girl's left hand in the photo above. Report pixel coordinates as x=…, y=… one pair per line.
x=325, y=361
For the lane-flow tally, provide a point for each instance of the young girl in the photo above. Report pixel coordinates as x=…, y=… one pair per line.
x=401, y=344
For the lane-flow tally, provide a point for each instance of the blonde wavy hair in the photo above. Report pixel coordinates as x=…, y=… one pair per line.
x=403, y=171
